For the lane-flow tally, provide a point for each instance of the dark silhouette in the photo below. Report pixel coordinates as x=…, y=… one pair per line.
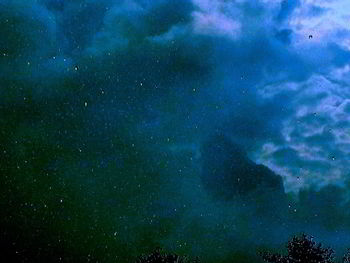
x=302, y=249
x=310, y=36
x=158, y=256
x=346, y=257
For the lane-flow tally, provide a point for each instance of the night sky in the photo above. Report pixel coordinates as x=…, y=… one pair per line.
x=209, y=128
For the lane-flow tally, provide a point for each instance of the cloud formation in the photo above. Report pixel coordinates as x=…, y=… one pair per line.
x=228, y=172
x=111, y=107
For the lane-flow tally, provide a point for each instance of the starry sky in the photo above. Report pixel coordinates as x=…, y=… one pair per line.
x=210, y=128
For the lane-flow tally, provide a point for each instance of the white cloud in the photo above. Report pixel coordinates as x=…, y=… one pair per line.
x=318, y=131
x=216, y=18
x=325, y=26
x=215, y=24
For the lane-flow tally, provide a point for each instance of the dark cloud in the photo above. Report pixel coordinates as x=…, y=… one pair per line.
x=284, y=35
x=57, y=5
x=324, y=207
x=317, y=10
x=79, y=23
x=227, y=172
x=287, y=7
x=161, y=18
x=24, y=31
x=340, y=55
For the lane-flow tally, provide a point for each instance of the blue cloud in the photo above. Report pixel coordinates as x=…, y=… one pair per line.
x=316, y=10
x=287, y=7
x=284, y=35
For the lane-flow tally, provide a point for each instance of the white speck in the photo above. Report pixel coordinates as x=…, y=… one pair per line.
x=194, y=89
x=54, y=57
x=85, y=104
x=28, y=63
x=61, y=201
x=141, y=84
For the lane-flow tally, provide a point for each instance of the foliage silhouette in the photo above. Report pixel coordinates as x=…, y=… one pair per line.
x=157, y=256
x=346, y=257
x=301, y=249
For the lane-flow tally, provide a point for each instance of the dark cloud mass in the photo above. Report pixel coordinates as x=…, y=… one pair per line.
x=287, y=7
x=228, y=172
x=209, y=128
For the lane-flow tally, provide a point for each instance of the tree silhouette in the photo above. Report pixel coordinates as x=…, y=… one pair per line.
x=346, y=257
x=302, y=249
x=158, y=257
